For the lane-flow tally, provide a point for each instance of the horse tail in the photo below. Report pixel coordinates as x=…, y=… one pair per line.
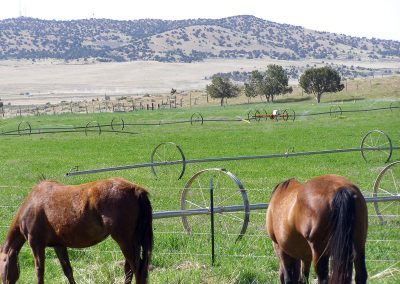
x=145, y=234
x=342, y=235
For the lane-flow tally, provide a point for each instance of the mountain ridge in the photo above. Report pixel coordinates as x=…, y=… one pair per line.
x=242, y=36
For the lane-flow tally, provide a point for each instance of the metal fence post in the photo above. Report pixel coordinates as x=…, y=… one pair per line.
x=212, y=221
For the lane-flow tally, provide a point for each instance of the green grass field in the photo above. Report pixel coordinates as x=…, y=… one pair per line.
x=177, y=257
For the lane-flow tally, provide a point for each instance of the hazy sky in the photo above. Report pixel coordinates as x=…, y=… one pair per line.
x=369, y=18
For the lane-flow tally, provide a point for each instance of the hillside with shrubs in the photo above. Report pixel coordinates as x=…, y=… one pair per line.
x=181, y=41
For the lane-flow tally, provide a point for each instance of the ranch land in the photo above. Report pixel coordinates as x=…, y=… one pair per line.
x=26, y=155
x=23, y=82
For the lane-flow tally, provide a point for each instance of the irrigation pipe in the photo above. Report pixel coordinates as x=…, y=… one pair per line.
x=205, y=160
x=234, y=208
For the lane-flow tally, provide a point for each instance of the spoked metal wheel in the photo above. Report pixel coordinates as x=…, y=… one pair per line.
x=196, y=118
x=92, y=126
x=284, y=115
x=335, y=111
x=251, y=115
x=387, y=185
x=231, y=206
x=376, y=147
x=117, y=124
x=24, y=127
x=265, y=115
x=291, y=114
x=257, y=115
x=171, y=159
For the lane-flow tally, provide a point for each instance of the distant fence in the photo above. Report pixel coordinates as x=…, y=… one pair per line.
x=104, y=106
x=84, y=107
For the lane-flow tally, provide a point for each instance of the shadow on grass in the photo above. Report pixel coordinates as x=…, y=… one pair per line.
x=348, y=100
x=293, y=100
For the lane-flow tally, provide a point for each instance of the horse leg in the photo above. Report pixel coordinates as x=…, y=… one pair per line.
x=130, y=264
x=128, y=272
x=321, y=266
x=305, y=269
x=39, y=256
x=281, y=265
x=62, y=255
x=360, y=268
x=131, y=258
x=289, y=267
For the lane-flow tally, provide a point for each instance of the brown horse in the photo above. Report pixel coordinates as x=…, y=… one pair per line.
x=323, y=218
x=78, y=216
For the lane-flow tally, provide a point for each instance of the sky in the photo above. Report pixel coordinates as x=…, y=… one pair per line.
x=362, y=18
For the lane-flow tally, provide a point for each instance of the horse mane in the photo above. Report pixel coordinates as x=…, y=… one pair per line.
x=42, y=181
x=283, y=185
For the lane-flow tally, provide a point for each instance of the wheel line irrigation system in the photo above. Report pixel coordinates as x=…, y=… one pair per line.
x=246, y=207
x=118, y=125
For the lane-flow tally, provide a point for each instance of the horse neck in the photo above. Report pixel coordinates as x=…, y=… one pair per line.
x=14, y=240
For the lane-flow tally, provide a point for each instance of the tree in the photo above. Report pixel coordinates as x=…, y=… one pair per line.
x=273, y=82
x=276, y=82
x=222, y=88
x=253, y=87
x=249, y=91
x=320, y=80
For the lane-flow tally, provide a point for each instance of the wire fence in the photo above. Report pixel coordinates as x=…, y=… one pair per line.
x=174, y=246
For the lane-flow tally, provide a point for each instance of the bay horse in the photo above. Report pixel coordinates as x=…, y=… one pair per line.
x=79, y=216
x=325, y=217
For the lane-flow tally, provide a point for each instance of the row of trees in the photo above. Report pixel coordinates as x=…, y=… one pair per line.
x=275, y=81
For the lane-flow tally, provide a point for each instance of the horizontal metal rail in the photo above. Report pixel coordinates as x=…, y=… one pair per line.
x=205, y=160
x=235, y=208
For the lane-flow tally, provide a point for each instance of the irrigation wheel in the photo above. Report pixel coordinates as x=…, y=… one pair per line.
x=291, y=114
x=114, y=124
x=90, y=125
x=24, y=127
x=231, y=206
x=284, y=115
x=335, y=111
x=251, y=115
x=196, y=118
x=381, y=145
x=387, y=184
x=257, y=115
x=172, y=158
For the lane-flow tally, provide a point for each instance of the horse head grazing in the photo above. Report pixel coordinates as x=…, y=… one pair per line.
x=78, y=216
x=312, y=222
x=9, y=268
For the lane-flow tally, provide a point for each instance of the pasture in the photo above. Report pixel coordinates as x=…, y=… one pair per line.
x=178, y=257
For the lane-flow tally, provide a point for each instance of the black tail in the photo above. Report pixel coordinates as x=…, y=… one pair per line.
x=342, y=237
x=145, y=234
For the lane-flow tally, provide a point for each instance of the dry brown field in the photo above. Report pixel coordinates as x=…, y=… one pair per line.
x=25, y=82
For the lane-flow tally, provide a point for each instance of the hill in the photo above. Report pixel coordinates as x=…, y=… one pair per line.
x=181, y=41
